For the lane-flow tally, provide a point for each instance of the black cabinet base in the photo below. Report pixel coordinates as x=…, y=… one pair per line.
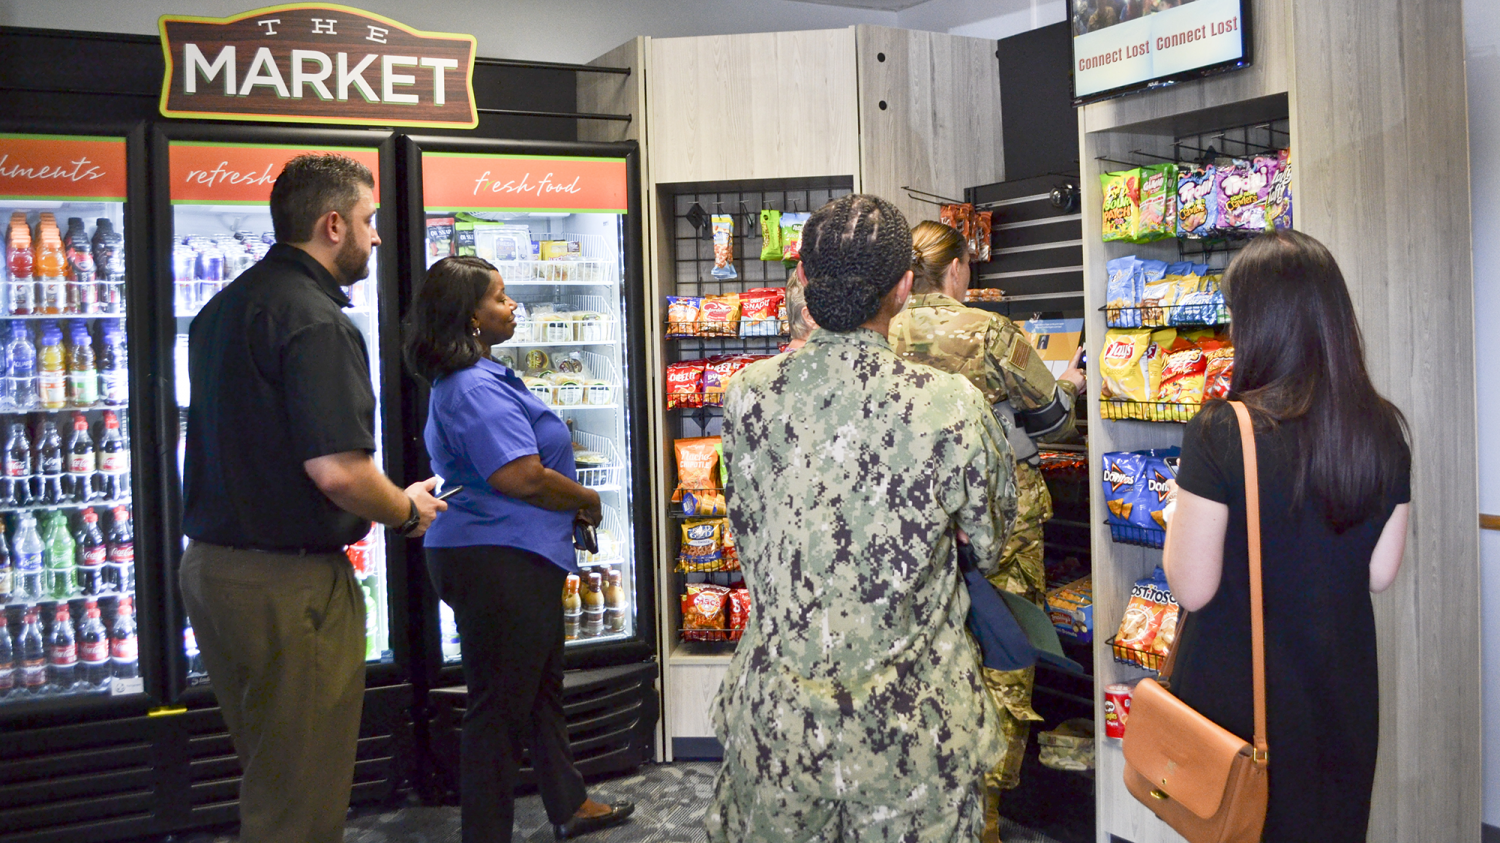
x=611, y=711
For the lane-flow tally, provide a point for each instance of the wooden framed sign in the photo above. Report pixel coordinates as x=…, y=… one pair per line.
x=316, y=63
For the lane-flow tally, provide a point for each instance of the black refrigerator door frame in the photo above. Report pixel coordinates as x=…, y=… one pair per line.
x=388, y=331
x=643, y=645
x=145, y=503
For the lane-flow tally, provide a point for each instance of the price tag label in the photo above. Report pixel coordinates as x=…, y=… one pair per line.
x=123, y=687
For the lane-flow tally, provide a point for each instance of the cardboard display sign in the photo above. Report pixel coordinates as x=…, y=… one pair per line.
x=62, y=168
x=321, y=63
x=242, y=173
x=458, y=181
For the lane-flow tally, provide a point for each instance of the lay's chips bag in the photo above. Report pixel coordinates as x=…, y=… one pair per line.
x=1120, y=363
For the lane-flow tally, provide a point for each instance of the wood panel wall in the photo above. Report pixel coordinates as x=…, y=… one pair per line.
x=771, y=105
x=1370, y=86
x=929, y=115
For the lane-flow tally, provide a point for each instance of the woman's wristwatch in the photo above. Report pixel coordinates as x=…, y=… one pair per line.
x=411, y=522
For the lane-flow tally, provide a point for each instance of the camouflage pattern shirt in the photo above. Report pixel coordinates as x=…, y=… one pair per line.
x=990, y=351
x=848, y=469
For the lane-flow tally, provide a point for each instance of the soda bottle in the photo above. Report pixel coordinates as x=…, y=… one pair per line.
x=194, y=657
x=92, y=555
x=124, y=650
x=18, y=465
x=20, y=368
x=83, y=379
x=27, y=560
x=19, y=264
x=109, y=258
x=372, y=620
x=593, y=608
x=7, y=660
x=114, y=460
x=572, y=609
x=81, y=461
x=93, y=647
x=33, y=675
x=7, y=575
x=83, y=289
x=50, y=463
x=62, y=652
x=114, y=379
x=120, y=552
x=61, y=560
x=53, y=365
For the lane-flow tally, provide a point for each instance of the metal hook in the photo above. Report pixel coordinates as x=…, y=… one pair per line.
x=942, y=200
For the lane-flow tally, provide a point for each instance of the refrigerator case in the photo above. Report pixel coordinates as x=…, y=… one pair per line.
x=217, y=224
x=75, y=603
x=561, y=222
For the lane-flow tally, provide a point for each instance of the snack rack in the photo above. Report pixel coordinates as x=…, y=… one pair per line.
x=693, y=261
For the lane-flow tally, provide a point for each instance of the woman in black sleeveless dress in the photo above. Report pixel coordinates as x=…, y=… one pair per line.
x=1334, y=492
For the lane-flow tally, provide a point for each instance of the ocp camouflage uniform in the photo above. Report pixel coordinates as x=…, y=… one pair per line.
x=992, y=353
x=853, y=708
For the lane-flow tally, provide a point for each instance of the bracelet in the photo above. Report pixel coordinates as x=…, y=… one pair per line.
x=411, y=522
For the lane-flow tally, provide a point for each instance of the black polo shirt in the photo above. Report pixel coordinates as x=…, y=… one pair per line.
x=280, y=376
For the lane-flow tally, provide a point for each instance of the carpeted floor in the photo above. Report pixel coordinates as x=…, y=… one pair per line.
x=670, y=800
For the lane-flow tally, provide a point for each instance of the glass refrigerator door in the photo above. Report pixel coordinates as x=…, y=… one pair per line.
x=563, y=267
x=67, y=560
x=220, y=229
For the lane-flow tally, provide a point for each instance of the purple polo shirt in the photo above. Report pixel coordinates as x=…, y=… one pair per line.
x=479, y=419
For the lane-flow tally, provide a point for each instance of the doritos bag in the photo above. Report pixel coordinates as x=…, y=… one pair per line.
x=1123, y=485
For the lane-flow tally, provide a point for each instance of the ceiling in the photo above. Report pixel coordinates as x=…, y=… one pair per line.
x=882, y=5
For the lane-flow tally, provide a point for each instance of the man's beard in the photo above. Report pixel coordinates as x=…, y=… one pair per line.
x=352, y=263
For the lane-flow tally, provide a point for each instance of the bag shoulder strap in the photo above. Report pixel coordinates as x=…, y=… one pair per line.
x=1257, y=600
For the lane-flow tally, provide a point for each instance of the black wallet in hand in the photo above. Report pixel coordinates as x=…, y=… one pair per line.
x=584, y=537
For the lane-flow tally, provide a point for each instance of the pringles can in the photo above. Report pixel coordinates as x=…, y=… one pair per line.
x=1116, y=709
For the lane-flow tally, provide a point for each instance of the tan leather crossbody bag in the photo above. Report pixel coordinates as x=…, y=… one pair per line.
x=1198, y=777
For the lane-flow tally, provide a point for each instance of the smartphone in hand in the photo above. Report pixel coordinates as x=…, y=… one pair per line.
x=448, y=493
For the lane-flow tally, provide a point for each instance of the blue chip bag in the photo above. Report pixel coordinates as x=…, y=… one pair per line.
x=1123, y=486
x=1158, y=467
x=1122, y=295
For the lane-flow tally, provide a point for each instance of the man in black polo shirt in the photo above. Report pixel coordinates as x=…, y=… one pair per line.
x=279, y=478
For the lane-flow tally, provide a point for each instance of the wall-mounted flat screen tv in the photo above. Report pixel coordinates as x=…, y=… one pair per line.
x=1123, y=46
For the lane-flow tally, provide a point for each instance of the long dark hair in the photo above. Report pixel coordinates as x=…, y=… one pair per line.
x=438, y=337
x=1299, y=360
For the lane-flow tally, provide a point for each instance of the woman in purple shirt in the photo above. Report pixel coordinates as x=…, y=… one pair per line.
x=501, y=553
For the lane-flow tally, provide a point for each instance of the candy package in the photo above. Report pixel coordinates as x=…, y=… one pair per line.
x=1197, y=212
x=723, y=248
x=703, y=612
x=1122, y=295
x=1122, y=204
x=770, y=235
x=719, y=316
x=685, y=384
x=1158, y=203
x=1120, y=363
x=1241, y=203
x=760, y=311
x=682, y=315
x=791, y=236
x=1279, y=193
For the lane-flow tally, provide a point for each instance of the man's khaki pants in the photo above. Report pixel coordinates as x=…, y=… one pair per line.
x=283, y=639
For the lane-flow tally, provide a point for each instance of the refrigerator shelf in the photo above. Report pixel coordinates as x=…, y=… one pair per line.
x=534, y=344
x=8, y=602
x=565, y=331
x=107, y=504
x=531, y=273
x=88, y=408
x=39, y=317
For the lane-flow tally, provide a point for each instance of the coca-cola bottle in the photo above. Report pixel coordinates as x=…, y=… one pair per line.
x=50, y=464
x=81, y=461
x=18, y=466
x=124, y=650
x=114, y=460
x=120, y=552
x=93, y=647
x=92, y=555
x=7, y=660
x=62, y=652
x=33, y=675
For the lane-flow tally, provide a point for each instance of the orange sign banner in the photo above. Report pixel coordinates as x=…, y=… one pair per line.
x=461, y=181
x=242, y=174
x=62, y=167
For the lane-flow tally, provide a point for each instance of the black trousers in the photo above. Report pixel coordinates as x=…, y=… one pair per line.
x=508, y=604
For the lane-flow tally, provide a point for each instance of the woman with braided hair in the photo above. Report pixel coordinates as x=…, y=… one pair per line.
x=853, y=708
x=1033, y=406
